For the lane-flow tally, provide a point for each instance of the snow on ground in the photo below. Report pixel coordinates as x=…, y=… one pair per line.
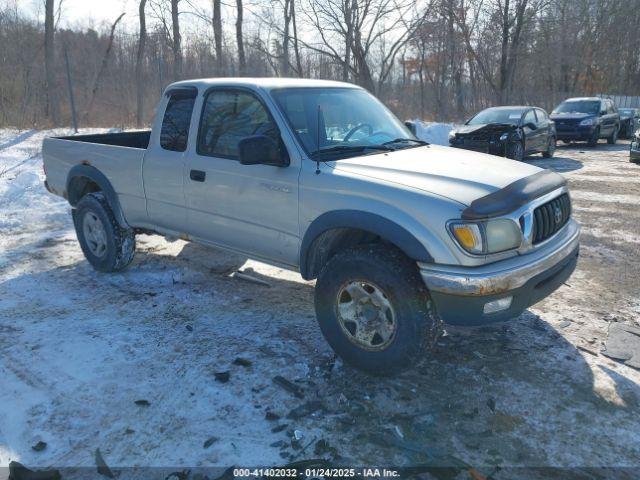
x=432, y=132
x=79, y=348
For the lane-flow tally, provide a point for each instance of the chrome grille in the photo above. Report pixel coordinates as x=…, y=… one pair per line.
x=550, y=217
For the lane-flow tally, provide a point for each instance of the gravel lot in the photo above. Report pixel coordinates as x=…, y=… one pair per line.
x=79, y=348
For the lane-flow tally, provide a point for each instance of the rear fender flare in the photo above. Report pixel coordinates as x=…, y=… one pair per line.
x=77, y=178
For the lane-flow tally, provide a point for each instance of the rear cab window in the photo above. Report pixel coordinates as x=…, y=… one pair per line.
x=177, y=119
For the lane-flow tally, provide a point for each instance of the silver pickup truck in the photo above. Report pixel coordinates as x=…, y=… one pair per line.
x=321, y=178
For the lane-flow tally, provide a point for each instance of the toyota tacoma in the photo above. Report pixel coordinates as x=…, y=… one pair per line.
x=320, y=177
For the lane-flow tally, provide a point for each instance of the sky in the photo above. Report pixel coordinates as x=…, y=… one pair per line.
x=90, y=12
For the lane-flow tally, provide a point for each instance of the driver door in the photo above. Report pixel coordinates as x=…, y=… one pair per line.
x=248, y=208
x=533, y=136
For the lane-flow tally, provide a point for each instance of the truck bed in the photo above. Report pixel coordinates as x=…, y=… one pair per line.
x=136, y=139
x=119, y=156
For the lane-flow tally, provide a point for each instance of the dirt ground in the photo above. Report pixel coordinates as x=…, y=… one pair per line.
x=78, y=349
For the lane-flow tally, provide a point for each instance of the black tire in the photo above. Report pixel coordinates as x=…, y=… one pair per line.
x=117, y=245
x=613, y=138
x=416, y=324
x=515, y=151
x=551, y=148
x=593, y=141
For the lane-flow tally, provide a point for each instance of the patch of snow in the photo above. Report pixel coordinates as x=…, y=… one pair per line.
x=432, y=132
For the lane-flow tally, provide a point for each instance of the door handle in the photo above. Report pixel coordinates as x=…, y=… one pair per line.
x=197, y=175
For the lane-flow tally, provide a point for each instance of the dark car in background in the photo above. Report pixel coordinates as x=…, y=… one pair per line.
x=587, y=119
x=512, y=132
x=634, y=152
x=629, y=121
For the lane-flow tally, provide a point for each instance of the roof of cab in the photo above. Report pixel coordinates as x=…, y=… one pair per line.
x=267, y=83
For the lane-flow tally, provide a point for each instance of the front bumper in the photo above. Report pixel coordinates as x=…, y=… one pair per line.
x=461, y=293
x=574, y=132
x=634, y=152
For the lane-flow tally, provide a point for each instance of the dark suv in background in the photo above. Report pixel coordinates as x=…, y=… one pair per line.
x=587, y=119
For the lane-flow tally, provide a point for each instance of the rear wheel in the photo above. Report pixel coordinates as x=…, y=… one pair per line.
x=613, y=138
x=106, y=245
x=374, y=310
x=551, y=148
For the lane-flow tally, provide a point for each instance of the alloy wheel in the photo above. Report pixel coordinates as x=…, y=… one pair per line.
x=366, y=315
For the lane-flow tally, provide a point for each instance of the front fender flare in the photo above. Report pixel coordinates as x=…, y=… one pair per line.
x=366, y=221
x=81, y=173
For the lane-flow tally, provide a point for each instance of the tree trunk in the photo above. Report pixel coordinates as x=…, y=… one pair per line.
x=296, y=49
x=177, y=41
x=142, y=38
x=349, y=7
x=242, y=63
x=49, y=63
x=103, y=66
x=217, y=33
x=284, y=61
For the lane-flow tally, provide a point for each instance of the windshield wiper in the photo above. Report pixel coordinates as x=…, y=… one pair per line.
x=350, y=148
x=404, y=140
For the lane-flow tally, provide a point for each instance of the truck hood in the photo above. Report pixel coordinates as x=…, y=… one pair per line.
x=459, y=175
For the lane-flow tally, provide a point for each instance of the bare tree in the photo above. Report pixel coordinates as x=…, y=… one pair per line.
x=103, y=66
x=216, y=21
x=142, y=39
x=49, y=60
x=177, y=40
x=242, y=62
x=363, y=27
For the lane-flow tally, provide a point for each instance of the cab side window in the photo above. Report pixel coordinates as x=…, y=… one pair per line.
x=177, y=118
x=228, y=116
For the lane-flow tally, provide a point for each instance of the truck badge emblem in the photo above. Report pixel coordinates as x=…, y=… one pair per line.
x=558, y=215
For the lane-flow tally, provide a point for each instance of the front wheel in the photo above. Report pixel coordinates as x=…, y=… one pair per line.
x=515, y=151
x=374, y=309
x=613, y=138
x=551, y=148
x=106, y=245
x=593, y=140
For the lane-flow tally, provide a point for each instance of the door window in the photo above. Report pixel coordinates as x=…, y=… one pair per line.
x=177, y=118
x=529, y=117
x=228, y=116
x=542, y=115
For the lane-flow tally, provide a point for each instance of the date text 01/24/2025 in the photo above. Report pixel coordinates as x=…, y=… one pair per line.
x=292, y=472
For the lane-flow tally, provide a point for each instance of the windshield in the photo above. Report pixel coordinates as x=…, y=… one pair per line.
x=497, y=115
x=591, y=107
x=340, y=120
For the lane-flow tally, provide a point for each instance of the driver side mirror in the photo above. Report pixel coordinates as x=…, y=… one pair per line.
x=531, y=126
x=413, y=128
x=261, y=150
x=603, y=112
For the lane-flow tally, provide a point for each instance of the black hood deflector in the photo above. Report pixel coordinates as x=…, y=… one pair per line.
x=514, y=195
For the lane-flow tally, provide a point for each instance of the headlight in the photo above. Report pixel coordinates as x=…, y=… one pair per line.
x=491, y=236
x=452, y=135
x=586, y=122
x=504, y=137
